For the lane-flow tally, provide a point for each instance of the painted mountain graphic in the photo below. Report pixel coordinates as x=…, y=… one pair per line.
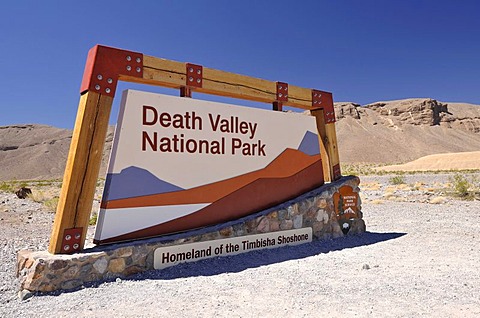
x=291, y=174
x=288, y=163
x=309, y=144
x=135, y=182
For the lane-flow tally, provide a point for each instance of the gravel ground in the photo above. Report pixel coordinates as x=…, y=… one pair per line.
x=416, y=260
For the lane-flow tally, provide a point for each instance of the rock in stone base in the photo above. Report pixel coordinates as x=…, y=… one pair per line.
x=24, y=294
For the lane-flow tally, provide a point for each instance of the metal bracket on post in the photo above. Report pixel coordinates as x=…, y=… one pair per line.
x=321, y=99
x=194, y=75
x=281, y=96
x=105, y=64
x=72, y=239
x=193, y=78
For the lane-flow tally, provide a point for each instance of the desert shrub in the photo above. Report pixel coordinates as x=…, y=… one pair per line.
x=93, y=219
x=460, y=185
x=49, y=200
x=6, y=186
x=51, y=204
x=396, y=180
x=465, y=188
x=361, y=169
x=12, y=186
x=38, y=196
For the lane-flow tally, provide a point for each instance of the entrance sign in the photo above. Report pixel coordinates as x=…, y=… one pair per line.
x=169, y=256
x=105, y=66
x=346, y=202
x=178, y=164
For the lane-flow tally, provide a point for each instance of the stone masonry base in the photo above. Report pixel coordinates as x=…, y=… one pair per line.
x=40, y=271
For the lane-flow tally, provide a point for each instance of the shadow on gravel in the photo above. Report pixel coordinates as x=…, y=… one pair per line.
x=241, y=262
x=238, y=263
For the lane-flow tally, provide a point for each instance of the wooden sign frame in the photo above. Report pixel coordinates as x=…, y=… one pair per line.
x=105, y=66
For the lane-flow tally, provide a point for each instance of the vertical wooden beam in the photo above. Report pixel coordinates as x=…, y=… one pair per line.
x=185, y=91
x=81, y=172
x=332, y=150
x=328, y=146
x=277, y=106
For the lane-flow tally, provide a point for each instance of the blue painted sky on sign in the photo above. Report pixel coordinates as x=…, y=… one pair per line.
x=362, y=51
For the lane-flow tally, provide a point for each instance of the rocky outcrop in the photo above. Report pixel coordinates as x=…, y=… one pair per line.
x=349, y=109
x=413, y=112
x=23, y=192
x=417, y=112
x=405, y=130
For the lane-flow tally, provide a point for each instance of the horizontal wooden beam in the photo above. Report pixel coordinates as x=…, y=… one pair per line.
x=161, y=72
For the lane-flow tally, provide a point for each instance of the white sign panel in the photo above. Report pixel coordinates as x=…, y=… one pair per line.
x=173, y=255
x=179, y=164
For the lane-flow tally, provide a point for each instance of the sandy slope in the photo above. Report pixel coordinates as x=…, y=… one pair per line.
x=38, y=152
x=446, y=161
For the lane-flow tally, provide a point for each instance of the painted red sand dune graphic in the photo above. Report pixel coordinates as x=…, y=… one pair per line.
x=289, y=175
x=286, y=164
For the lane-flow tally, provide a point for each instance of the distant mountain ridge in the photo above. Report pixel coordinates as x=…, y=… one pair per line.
x=382, y=132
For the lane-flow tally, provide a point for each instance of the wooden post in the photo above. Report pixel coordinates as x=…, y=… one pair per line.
x=81, y=172
x=328, y=146
x=332, y=150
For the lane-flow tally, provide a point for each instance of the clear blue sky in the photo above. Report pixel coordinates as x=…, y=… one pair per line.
x=362, y=51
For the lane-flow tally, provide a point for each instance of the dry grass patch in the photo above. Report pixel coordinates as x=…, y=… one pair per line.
x=418, y=185
x=391, y=188
x=438, y=200
x=47, y=196
x=404, y=186
x=397, y=180
x=371, y=186
x=389, y=195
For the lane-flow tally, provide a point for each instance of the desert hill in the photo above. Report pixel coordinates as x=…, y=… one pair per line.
x=38, y=151
x=405, y=130
x=443, y=161
x=382, y=132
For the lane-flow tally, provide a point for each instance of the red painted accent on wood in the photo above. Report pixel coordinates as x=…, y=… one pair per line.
x=71, y=240
x=194, y=77
x=321, y=99
x=104, y=66
x=282, y=92
x=337, y=174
